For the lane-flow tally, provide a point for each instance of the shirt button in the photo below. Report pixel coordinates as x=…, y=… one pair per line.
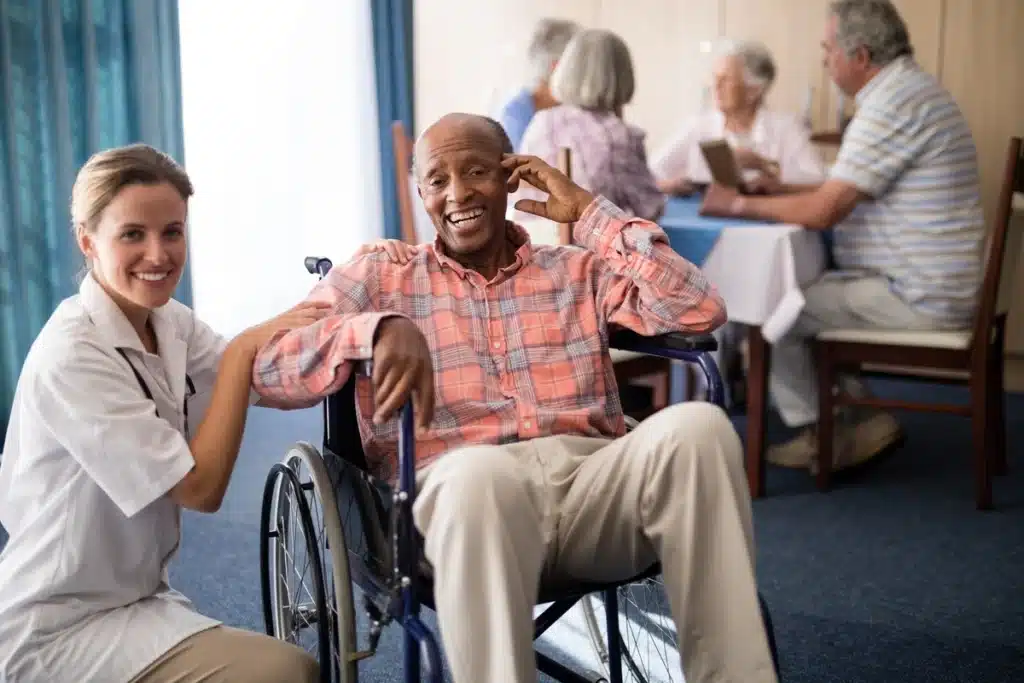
x=497, y=345
x=526, y=424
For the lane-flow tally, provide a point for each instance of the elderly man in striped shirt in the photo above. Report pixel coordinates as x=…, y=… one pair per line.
x=524, y=466
x=905, y=201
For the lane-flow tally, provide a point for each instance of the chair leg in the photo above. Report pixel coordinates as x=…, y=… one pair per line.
x=997, y=415
x=826, y=417
x=980, y=420
x=757, y=403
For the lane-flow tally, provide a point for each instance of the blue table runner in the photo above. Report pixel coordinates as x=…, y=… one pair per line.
x=691, y=235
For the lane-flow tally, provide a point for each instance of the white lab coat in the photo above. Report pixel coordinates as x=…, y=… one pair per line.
x=87, y=465
x=775, y=135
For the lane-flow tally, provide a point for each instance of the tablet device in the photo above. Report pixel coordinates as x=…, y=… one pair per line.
x=722, y=164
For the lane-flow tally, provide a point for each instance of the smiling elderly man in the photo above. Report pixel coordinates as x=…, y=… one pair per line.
x=905, y=201
x=524, y=465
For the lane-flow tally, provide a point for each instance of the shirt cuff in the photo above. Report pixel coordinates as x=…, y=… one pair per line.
x=594, y=221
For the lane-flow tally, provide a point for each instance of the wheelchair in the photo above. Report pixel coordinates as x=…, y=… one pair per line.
x=325, y=515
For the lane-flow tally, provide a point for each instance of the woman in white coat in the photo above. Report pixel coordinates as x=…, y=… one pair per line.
x=99, y=457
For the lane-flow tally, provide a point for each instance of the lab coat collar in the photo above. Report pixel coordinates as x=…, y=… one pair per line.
x=112, y=324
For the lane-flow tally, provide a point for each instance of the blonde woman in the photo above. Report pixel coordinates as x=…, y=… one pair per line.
x=99, y=458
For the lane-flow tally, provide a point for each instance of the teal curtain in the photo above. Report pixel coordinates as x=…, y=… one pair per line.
x=76, y=77
x=392, y=52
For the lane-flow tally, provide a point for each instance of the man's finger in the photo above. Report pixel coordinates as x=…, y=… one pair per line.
x=388, y=380
x=425, y=392
x=394, y=400
x=533, y=206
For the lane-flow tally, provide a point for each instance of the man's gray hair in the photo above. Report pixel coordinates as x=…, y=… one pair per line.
x=595, y=72
x=546, y=46
x=758, y=64
x=875, y=25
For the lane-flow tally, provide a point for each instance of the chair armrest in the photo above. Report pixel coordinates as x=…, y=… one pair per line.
x=674, y=345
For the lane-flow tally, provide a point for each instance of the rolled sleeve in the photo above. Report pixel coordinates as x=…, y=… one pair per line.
x=93, y=409
x=643, y=284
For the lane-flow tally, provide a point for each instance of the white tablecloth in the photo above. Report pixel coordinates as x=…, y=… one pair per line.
x=760, y=271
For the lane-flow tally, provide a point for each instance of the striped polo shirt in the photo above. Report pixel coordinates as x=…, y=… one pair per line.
x=910, y=150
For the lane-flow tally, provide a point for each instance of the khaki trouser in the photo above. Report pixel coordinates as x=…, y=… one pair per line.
x=228, y=655
x=495, y=519
x=865, y=302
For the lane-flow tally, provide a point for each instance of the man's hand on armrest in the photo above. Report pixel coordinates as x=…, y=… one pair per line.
x=402, y=366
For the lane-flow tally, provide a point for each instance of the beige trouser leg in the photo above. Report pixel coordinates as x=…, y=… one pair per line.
x=495, y=518
x=228, y=655
x=856, y=303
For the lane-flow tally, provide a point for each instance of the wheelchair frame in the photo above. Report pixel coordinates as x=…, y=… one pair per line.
x=395, y=588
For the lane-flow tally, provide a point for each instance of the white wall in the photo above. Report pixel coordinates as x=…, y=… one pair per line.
x=470, y=54
x=281, y=144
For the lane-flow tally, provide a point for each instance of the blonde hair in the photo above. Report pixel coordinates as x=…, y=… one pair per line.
x=108, y=172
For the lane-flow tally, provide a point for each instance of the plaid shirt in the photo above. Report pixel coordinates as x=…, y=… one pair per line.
x=522, y=356
x=608, y=156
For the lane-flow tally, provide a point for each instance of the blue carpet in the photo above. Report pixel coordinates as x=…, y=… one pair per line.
x=891, y=577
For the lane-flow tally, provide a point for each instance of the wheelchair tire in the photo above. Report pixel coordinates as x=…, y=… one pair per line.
x=636, y=669
x=300, y=486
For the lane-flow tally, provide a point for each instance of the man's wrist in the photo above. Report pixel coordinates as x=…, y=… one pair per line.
x=583, y=200
x=738, y=206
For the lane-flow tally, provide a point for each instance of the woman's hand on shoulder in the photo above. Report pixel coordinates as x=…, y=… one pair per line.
x=397, y=251
x=302, y=315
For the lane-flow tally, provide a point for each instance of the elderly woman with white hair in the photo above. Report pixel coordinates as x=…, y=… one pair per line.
x=593, y=82
x=772, y=148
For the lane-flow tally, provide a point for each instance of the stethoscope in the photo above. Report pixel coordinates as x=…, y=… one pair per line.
x=145, y=389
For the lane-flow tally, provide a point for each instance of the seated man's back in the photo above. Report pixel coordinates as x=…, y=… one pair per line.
x=910, y=149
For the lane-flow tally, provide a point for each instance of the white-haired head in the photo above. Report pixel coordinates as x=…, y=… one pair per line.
x=756, y=61
x=595, y=72
x=550, y=36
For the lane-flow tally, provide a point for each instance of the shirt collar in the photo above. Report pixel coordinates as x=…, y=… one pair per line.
x=757, y=128
x=884, y=74
x=111, y=322
x=514, y=233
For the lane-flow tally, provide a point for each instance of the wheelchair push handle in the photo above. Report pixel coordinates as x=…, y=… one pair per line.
x=318, y=265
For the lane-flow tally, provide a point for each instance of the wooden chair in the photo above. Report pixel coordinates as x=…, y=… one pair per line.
x=402, y=144
x=631, y=368
x=971, y=357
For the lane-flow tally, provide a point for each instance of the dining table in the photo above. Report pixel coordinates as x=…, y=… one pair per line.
x=760, y=269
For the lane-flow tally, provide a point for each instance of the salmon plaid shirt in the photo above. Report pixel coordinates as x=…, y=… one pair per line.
x=520, y=357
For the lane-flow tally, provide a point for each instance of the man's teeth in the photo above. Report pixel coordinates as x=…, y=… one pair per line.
x=151, y=277
x=460, y=216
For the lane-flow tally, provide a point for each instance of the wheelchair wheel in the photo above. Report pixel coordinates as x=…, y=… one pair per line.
x=307, y=591
x=647, y=634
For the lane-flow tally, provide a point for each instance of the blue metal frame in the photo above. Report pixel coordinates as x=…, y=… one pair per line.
x=419, y=641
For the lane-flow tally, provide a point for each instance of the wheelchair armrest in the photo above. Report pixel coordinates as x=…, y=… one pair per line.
x=674, y=345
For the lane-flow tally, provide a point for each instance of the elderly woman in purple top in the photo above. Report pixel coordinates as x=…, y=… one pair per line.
x=593, y=82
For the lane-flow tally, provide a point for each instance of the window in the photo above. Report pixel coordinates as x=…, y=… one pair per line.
x=281, y=144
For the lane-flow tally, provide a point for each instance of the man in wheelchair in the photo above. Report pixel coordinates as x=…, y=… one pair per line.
x=525, y=470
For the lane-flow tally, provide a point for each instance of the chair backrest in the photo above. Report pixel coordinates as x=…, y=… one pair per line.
x=1002, y=248
x=565, y=166
x=402, y=144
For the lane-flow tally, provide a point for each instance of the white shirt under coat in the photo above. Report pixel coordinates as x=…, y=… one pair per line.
x=87, y=466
